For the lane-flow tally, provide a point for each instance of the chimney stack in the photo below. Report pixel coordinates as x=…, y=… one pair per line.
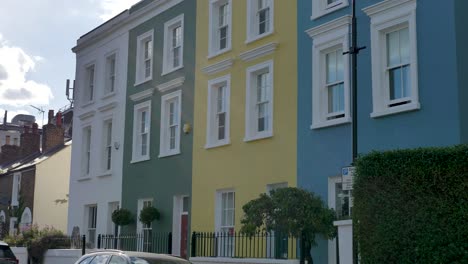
x=30, y=142
x=52, y=135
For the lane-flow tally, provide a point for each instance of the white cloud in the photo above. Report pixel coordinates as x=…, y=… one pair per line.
x=112, y=8
x=15, y=88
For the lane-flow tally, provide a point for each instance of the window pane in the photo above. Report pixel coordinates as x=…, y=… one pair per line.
x=172, y=131
x=393, y=48
x=117, y=260
x=185, y=204
x=143, y=126
x=176, y=57
x=406, y=81
x=331, y=67
x=223, y=37
x=404, y=45
x=336, y=98
x=221, y=126
x=144, y=144
x=100, y=259
x=395, y=78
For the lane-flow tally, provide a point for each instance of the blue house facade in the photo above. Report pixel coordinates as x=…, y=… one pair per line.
x=412, y=85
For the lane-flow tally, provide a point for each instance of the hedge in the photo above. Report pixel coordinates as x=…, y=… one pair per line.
x=411, y=206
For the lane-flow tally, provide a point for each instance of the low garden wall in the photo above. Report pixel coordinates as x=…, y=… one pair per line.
x=52, y=256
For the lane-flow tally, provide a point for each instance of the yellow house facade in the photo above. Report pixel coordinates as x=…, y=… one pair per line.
x=51, y=189
x=245, y=107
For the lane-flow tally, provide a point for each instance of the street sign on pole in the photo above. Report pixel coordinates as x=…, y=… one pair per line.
x=347, y=174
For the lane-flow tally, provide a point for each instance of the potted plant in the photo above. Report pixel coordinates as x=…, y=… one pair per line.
x=149, y=214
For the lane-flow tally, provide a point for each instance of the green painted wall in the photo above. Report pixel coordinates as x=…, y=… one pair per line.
x=160, y=178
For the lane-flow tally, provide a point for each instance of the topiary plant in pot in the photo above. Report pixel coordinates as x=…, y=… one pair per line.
x=149, y=214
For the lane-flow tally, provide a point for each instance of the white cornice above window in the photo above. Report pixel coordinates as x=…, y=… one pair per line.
x=385, y=6
x=218, y=67
x=107, y=107
x=87, y=115
x=142, y=95
x=258, y=52
x=330, y=26
x=171, y=84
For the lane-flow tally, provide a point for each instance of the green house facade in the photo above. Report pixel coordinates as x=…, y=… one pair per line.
x=157, y=163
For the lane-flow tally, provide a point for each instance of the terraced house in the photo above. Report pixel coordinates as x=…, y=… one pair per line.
x=410, y=91
x=157, y=163
x=244, y=119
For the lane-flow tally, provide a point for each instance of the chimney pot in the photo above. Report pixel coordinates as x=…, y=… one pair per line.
x=58, y=119
x=34, y=128
x=51, y=116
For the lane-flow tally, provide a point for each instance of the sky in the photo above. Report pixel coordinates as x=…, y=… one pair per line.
x=36, y=37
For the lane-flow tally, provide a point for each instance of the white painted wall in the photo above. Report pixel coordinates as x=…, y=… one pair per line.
x=52, y=256
x=21, y=254
x=100, y=188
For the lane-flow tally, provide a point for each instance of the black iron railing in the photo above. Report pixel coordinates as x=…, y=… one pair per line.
x=148, y=241
x=271, y=245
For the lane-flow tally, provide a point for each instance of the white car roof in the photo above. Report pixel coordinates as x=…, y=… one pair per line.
x=3, y=243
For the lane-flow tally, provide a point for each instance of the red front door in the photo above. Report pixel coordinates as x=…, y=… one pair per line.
x=183, y=235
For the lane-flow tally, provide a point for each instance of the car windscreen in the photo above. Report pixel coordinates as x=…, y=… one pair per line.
x=143, y=260
x=5, y=252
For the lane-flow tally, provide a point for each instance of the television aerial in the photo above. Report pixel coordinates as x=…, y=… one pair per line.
x=41, y=111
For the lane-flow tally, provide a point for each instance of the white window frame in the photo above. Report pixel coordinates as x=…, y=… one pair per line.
x=253, y=22
x=212, y=125
x=91, y=224
x=386, y=17
x=140, y=58
x=136, y=149
x=168, y=57
x=251, y=116
x=321, y=7
x=144, y=241
x=164, y=142
x=86, y=153
x=89, y=87
x=16, y=189
x=327, y=38
x=214, y=49
x=107, y=145
x=229, y=249
x=111, y=76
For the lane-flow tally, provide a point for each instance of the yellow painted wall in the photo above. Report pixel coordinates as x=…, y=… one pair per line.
x=246, y=167
x=52, y=182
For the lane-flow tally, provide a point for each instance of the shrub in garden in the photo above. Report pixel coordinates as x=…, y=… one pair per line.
x=411, y=206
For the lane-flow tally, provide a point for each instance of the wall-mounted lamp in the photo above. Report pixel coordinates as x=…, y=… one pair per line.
x=116, y=145
x=187, y=128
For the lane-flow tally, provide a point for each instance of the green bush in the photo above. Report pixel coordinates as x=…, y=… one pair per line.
x=122, y=217
x=411, y=206
x=149, y=214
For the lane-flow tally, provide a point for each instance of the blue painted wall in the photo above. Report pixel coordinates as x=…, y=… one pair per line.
x=323, y=152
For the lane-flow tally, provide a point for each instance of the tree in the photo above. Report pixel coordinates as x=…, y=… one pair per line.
x=293, y=211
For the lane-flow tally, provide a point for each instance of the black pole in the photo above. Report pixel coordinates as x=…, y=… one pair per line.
x=83, y=245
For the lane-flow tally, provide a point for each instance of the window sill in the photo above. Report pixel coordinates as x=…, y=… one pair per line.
x=140, y=159
x=396, y=109
x=143, y=81
x=251, y=39
x=218, y=144
x=259, y=136
x=218, y=53
x=108, y=95
x=87, y=104
x=330, y=123
x=168, y=154
x=166, y=72
x=105, y=174
x=83, y=179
